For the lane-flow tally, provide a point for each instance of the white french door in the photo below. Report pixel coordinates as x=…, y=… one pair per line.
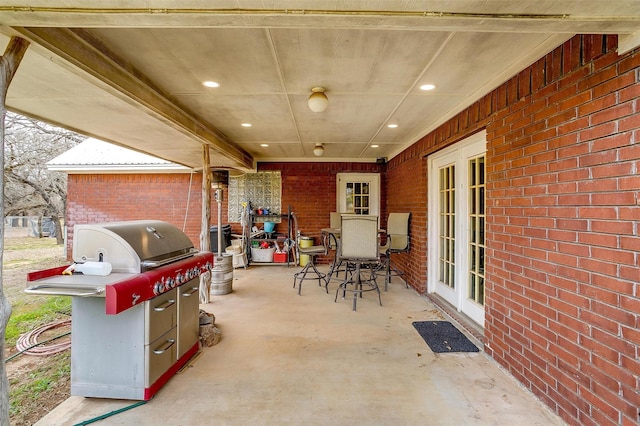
x=456, y=196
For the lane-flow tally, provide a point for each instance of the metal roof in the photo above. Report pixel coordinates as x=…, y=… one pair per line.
x=94, y=156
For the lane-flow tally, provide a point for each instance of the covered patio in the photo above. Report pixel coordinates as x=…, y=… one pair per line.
x=289, y=359
x=522, y=117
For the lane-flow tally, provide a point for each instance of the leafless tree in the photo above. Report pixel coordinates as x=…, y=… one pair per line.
x=31, y=189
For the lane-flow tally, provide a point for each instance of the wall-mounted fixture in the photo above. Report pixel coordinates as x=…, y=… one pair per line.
x=318, y=101
x=318, y=150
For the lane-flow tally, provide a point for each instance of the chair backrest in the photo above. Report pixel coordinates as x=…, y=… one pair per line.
x=334, y=220
x=398, y=230
x=359, y=237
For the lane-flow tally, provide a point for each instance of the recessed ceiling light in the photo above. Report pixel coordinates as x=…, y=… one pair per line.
x=392, y=126
x=427, y=87
x=246, y=124
x=211, y=84
x=264, y=145
x=375, y=146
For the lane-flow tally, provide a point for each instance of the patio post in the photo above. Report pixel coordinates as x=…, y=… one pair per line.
x=9, y=63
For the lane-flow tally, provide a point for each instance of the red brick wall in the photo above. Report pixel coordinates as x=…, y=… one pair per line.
x=563, y=226
x=116, y=197
x=564, y=194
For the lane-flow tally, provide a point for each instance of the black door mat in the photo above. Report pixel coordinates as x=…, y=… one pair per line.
x=442, y=336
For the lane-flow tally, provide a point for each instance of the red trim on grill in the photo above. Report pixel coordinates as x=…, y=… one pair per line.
x=45, y=273
x=116, y=294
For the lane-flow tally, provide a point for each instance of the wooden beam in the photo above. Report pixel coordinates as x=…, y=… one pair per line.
x=9, y=63
x=205, y=240
x=254, y=14
x=88, y=54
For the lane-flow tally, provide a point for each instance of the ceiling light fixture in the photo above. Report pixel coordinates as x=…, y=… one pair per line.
x=264, y=145
x=246, y=124
x=211, y=84
x=318, y=150
x=318, y=101
x=427, y=87
x=375, y=146
x=392, y=126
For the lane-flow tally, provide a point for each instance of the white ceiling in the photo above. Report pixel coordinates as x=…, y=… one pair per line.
x=132, y=74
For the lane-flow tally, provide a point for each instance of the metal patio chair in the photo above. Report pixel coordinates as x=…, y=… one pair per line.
x=398, y=241
x=359, y=247
x=310, y=267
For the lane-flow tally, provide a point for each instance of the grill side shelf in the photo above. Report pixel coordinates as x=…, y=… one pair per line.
x=52, y=282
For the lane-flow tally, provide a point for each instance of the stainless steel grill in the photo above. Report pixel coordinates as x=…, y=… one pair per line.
x=145, y=311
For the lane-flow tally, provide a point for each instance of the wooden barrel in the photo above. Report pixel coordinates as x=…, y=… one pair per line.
x=222, y=274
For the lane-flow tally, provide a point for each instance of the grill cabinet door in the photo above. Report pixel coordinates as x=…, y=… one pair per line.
x=188, y=315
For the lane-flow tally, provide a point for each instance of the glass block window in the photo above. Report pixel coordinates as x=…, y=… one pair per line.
x=262, y=190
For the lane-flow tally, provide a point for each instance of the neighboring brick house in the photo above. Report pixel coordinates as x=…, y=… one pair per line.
x=108, y=183
x=562, y=231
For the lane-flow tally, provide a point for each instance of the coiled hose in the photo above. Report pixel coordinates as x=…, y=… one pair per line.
x=28, y=342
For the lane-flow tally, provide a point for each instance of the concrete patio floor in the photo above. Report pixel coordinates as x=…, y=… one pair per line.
x=305, y=360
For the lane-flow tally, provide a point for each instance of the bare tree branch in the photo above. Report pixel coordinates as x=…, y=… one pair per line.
x=31, y=189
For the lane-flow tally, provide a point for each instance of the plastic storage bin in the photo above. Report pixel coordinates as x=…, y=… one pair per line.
x=239, y=256
x=262, y=255
x=280, y=257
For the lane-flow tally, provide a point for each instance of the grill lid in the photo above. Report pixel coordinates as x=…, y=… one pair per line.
x=131, y=246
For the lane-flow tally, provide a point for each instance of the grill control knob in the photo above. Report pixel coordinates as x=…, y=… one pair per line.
x=180, y=278
x=158, y=288
x=171, y=283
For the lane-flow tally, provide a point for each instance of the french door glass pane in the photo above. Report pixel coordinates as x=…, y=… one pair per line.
x=447, y=226
x=476, y=221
